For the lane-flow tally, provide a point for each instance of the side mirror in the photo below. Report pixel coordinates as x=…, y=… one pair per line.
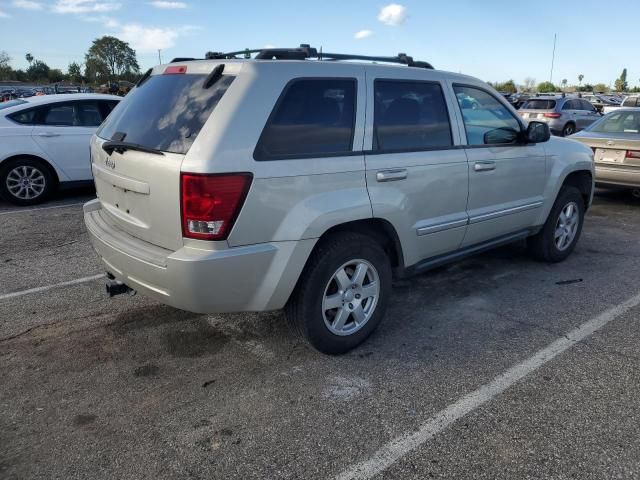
x=501, y=136
x=538, y=132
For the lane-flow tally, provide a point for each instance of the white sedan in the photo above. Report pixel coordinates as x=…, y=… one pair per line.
x=44, y=143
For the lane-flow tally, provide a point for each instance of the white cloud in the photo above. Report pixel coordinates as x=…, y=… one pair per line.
x=168, y=5
x=84, y=6
x=145, y=39
x=359, y=35
x=4, y=15
x=393, y=14
x=27, y=5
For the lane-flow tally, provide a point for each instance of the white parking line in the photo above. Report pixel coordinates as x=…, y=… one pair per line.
x=18, y=210
x=50, y=287
x=404, y=444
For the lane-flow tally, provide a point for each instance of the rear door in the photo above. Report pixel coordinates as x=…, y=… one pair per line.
x=506, y=177
x=60, y=132
x=587, y=114
x=417, y=178
x=140, y=190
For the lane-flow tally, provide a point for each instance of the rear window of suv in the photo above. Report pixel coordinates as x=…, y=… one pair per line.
x=166, y=112
x=539, y=105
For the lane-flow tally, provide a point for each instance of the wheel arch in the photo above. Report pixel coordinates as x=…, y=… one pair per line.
x=583, y=181
x=47, y=164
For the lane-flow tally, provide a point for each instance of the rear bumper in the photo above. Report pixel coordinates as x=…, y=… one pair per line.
x=249, y=278
x=618, y=175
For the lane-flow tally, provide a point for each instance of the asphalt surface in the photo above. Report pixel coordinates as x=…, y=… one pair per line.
x=92, y=388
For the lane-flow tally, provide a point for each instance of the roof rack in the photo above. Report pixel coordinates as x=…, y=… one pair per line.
x=305, y=52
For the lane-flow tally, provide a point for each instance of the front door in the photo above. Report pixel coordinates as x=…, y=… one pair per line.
x=416, y=177
x=506, y=176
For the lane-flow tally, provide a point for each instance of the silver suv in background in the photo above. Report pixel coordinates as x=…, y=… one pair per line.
x=565, y=115
x=297, y=181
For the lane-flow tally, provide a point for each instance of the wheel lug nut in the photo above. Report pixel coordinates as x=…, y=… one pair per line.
x=351, y=305
x=358, y=295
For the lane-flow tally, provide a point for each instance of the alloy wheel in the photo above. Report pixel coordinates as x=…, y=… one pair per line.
x=567, y=226
x=26, y=182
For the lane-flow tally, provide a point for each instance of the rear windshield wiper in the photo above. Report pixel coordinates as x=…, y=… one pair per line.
x=120, y=147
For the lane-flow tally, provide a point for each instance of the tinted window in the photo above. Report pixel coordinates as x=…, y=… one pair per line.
x=628, y=102
x=26, y=117
x=60, y=114
x=106, y=106
x=539, y=104
x=89, y=114
x=313, y=117
x=410, y=116
x=618, y=122
x=166, y=112
x=569, y=105
x=586, y=106
x=486, y=120
x=11, y=103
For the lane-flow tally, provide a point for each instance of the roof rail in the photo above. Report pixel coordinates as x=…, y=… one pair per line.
x=305, y=52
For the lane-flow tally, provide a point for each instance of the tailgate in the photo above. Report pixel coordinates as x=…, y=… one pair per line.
x=140, y=193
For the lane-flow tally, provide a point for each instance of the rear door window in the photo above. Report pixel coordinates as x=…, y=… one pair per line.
x=410, y=116
x=313, y=118
x=60, y=114
x=89, y=114
x=166, y=112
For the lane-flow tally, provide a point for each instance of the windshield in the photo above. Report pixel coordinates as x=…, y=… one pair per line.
x=618, y=122
x=165, y=113
x=11, y=103
x=539, y=105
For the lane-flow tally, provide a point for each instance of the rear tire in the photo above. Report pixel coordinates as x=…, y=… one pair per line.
x=569, y=129
x=342, y=293
x=26, y=181
x=563, y=227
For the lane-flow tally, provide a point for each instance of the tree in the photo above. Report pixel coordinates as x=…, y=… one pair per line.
x=96, y=71
x=600, y=88
x=621, y=83
x=29, y=58
x=118, y=57
x=564, y=83
x=546, y=87
x=5, y=68
x=74, y=72
x=587, y=87
x=38, y=71
x=580, y=78
x=509, y=86
x=529, y=84
x=55, y=75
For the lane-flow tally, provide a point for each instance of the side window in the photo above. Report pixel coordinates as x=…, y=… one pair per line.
x=630, y=102
x=486, y=120
x=313, y=118
x=569, y=105
x=410, y=116
x=587, y=106
x=88, y=114
x=60, y=114
x=24, y=117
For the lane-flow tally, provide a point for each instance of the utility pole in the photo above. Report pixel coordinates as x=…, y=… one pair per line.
x=159, y=56
x=553, y=58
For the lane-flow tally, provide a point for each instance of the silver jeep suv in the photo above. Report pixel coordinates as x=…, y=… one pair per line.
x=293, y=180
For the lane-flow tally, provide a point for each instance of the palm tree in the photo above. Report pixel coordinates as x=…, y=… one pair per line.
x=580, y=77
x=29, y=58
x=564, y=83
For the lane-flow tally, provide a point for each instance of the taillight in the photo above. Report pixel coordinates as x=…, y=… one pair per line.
x=552, y=115
x=632, y=154
x=211, y=203
x=175, y=69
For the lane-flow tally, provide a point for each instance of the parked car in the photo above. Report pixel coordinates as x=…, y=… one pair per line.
x=599, y=101
x=565, y=115
x=44, y=143
x=631, y=101
x=241, y=185
x=615, y=140
x=518, y=99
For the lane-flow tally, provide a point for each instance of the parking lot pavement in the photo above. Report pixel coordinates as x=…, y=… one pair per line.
x=127, y=388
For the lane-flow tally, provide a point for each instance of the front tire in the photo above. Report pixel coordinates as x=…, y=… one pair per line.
x=563, y=227
x=342, y=293
x=25, y=181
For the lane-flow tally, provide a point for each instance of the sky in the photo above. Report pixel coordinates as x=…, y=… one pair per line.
x=494, y=40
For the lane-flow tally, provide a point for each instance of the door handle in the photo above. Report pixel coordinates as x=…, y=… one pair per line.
x=391, y=175
x=484, y=166
x=48, y=134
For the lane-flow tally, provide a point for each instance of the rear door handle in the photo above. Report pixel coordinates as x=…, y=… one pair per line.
x=391, y=175
x=484, y=166
x=48, y=134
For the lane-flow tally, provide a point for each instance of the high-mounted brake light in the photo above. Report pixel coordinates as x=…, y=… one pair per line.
x=552, y=115
x=211, y=203
x=175, y=69
x=632, y=154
